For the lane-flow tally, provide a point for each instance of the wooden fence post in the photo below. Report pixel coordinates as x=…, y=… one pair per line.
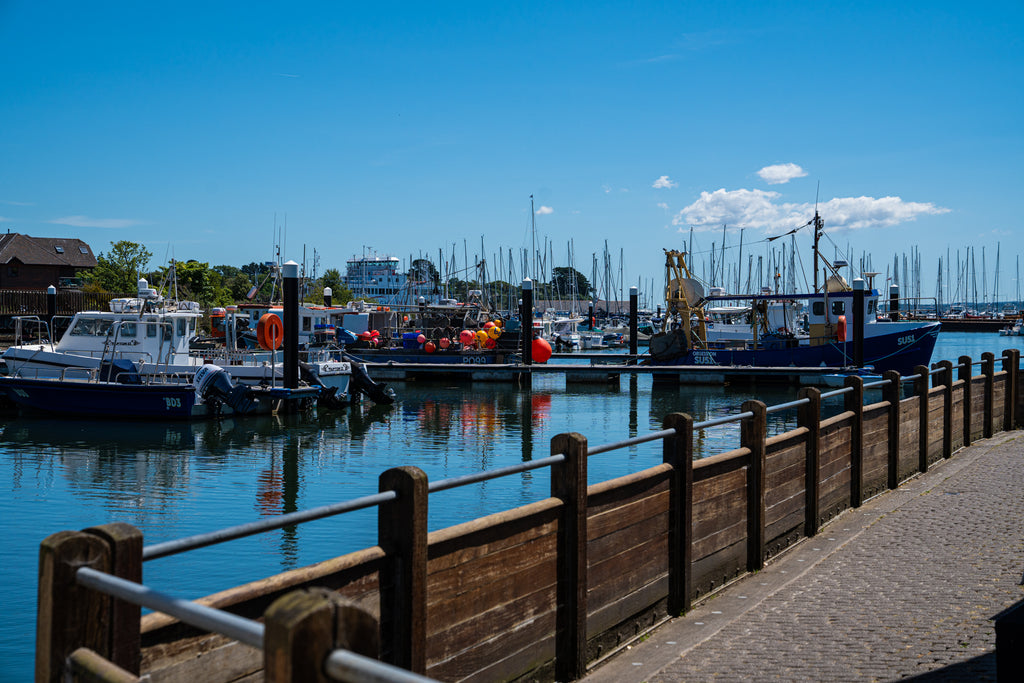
x=125, y=638
x=303, y=627
x=921, y=386
x=963, y=373
x=891, y=392
x=988, y=368
x=946, y=377
x=69, y=616
x=677, y=451
x=809, y=416
x=753, y=433
x=402, y=534
x=853, y=401
x=569, y=484
x=1011, y=366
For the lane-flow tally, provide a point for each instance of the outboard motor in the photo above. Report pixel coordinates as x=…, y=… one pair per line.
x=214, y=385
x=378, y=392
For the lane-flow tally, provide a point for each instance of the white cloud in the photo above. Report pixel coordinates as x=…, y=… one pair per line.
x=545, y=210
x=663, y=205
x=759, y=209
x=781, y=173
x=663, y=183
x=86, y=222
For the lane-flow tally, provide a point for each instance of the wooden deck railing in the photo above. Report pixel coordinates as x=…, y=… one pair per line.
x=540, y=591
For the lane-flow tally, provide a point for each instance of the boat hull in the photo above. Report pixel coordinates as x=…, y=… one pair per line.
x=102, y=399
x=901, y=351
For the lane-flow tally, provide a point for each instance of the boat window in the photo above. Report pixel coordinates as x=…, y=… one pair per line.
x=151, y=328
x=838, y=307
x=872, y=306
x=128, y=330
x=818, y=308
x=180, y=327
x=307, y=324
x=91, y=327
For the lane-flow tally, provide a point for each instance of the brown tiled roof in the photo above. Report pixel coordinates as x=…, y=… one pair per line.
x=45, y=251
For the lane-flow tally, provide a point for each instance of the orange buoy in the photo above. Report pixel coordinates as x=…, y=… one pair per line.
x=445, y=342
x=841, y=328
x=541, y=350
x=488, y=325
x=466, y=337
x=429, y=347
x=490, y=343
x=270, y=332
x=421, y=339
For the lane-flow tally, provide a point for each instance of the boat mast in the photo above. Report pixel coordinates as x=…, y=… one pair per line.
x=818, y=231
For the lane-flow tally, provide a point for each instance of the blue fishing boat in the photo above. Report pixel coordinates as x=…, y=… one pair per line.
x=835, y=327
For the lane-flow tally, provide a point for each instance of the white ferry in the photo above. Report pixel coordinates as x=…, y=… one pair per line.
x=378, y=278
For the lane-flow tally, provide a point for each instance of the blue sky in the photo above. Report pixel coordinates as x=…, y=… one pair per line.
x=202, y=130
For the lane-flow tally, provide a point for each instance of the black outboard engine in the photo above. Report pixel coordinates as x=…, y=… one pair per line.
x=378, y=392
x=214, y=385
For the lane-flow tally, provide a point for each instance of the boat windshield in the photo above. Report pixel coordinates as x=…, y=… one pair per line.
x=91, y=327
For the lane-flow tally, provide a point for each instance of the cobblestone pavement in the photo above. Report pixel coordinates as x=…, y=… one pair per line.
x=907, y=585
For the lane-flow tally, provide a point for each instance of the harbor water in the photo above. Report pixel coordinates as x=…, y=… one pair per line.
x=175, y=480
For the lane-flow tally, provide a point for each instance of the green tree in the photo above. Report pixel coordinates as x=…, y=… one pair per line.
x=119, y=269
x=569, y=283
x=234, y=283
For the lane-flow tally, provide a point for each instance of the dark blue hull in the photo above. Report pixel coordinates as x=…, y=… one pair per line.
x=899, y=351
x=438, y=357
x=101, y=399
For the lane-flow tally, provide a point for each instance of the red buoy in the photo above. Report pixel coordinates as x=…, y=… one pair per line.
x=541, y=350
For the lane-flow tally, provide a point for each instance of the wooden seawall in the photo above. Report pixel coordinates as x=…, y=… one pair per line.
x=537, y=592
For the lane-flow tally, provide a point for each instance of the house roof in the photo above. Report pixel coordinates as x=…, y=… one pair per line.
x=45, y=251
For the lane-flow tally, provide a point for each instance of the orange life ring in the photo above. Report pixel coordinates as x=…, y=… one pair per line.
x=270, y=332
x=841, y=328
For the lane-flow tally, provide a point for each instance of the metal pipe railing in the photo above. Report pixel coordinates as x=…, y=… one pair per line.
x=345, y=665
x=636, y=440
x=455, y=482
x=158, y=550
x=241, y=629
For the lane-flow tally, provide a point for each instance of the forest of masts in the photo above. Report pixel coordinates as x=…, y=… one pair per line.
x=961, y=280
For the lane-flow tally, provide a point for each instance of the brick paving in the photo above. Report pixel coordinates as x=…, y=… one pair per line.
x=907, y=585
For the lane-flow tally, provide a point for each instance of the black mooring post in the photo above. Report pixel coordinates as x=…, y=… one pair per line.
x=290, y=271
x=526, y=322
x=51, y=309
x=633, y=314
x=858, y=322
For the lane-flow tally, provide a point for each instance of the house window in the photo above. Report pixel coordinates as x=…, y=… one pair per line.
x=83, y=250
x=12, y=271
x=58, y=248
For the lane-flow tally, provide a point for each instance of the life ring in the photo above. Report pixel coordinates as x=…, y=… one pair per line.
x=841, y=328
x=270, y=332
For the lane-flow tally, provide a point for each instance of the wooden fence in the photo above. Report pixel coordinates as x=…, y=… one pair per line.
x=537, y=592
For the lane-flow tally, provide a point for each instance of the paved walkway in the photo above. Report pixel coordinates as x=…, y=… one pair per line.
x=905, y=586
